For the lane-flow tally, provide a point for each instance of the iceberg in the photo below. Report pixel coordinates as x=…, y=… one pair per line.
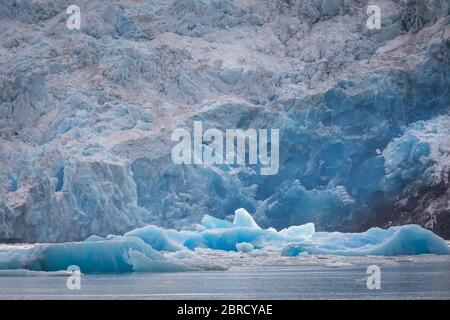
x=209, y=222
x=118, y=254
x=157, y=238
x=404, y=240
x=244, y=219
x=145, y=249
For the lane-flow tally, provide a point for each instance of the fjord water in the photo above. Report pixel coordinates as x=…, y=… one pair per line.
x=324, y=277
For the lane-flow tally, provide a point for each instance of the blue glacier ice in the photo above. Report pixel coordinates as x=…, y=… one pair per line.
x=117, y=254
x=142, y=250
x=86, y=117
x=404, y=240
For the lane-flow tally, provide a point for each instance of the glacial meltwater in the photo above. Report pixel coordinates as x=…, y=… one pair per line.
x=250, y=276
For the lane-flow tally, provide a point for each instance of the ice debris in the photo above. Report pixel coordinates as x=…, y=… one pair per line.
x=144, y=249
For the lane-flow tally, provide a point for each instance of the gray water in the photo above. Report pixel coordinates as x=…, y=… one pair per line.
x=400, y=279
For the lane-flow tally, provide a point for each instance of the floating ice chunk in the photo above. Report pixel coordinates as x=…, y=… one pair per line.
x=116, y=255
x=244, y=247
x=404, y=240
x=156, y=237
x=244, y=219
x=200, y=228
x=213, y=223
x=226, y=239
x=138, y=250
x=303, y=230
x=13, y=259
x=141, y=263
x=98, y=238
x=182, y=254
x=95, y=238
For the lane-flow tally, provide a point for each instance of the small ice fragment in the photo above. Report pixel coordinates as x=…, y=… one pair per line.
x=210, y=222
x=243, y=219
x=244, y=247
x=307, y=229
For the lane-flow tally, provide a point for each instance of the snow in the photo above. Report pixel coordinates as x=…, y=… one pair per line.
x=153, y=249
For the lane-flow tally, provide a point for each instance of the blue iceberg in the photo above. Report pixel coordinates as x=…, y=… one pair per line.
x=143, y=249
x=116, y=254
x=404, y=240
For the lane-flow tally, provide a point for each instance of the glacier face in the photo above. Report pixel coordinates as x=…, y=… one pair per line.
x=86, y=115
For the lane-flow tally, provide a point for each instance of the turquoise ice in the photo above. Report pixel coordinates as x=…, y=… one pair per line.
x=142, y=250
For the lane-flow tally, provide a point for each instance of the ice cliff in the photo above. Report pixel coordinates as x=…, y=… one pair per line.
x=86, y=115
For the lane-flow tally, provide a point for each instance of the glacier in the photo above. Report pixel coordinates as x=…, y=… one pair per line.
x=142, y=250
x=86, y=117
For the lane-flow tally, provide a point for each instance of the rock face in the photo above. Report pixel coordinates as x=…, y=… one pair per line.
x=86, y=115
